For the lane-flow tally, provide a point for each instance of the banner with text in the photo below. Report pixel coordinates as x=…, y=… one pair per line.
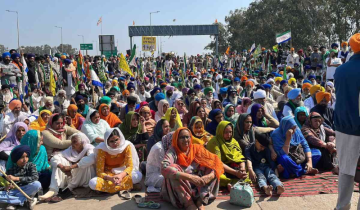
x=148, y=43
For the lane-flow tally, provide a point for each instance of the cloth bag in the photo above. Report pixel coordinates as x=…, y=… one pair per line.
x=297, y=154
x=241, y=194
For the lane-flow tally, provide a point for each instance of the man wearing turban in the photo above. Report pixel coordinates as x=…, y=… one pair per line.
x=332, y=63
x=343, y=52
x=310, y=102
x=294, y=96
x=9, y=70
x=10, y=118
x=347, y=123
x=323, y=99
x=292, y=58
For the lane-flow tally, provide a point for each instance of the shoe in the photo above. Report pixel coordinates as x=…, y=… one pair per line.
x=32, y=203
x=10, y=207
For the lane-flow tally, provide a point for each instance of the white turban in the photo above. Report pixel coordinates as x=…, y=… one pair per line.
x=270, y=80
x=219, y=76
x=329, y=83
x=259, y=94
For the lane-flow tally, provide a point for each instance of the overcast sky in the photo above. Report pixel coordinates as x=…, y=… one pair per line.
x=38, y=18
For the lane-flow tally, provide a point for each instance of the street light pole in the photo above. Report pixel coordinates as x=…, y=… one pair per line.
x=17, y=23
x=83, y=42
x=150, y=23
x=62, y=46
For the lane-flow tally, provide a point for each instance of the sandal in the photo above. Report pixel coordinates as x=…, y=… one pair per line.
x=125, y=194
x=150, y=205
x=138, y=199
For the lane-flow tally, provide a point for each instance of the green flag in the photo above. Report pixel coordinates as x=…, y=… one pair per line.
x=284, y=74
x=184, y=72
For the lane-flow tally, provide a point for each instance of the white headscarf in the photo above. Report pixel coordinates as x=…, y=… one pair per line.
x=72, y=155
x=122, y=146
x=160, y=113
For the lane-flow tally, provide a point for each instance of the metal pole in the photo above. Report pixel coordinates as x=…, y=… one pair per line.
x=62, y=45
x=130, y=43
x=217, y=44
x=17, y=22
x=150, y=25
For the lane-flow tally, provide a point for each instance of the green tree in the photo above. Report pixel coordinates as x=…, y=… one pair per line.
x=222, y=40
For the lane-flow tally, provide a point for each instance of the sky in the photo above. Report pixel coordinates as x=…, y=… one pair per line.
x=38, y=18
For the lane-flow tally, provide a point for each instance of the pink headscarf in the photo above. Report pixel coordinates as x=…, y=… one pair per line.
x=242, y=108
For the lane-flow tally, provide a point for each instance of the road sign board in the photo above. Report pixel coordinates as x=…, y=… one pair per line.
x=86, y=46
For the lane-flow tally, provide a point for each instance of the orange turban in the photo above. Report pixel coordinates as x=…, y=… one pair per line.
x=14, y=104
x=344, y=44
x=306, y=85
x=321, y=95
x=292, y=49
x=244, y=78
x=355, y=42
x=281, y=72
x=315, y=88
x=126, y=92
x=249, y=83
x=288, y=68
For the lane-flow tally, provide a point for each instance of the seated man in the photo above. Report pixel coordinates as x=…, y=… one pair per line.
x=72, y=167
x=24, y=175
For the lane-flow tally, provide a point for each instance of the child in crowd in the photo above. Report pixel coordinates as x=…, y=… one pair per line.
x=24, y=175
x=260, y=165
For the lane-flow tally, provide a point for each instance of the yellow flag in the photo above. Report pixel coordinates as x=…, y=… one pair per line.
x=52, y=82
x=124, y=66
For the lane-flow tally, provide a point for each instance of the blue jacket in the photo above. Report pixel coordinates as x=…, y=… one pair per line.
x=347, y=89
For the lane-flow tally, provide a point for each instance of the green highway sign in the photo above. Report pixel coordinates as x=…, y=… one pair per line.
x=108, y=54
x=86, y=46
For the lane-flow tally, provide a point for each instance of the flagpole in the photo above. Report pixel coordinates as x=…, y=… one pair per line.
x=101, y=25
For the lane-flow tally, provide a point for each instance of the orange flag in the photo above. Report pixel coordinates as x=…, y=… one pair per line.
x=133, y=23
x=215, y=20
x=227, y=51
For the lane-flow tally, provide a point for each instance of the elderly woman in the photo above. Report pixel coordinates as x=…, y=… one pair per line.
x=228, y=150
x=77, y=120
x=320, y=137
x=261, y=118
x=12, y=140
x=43, y=119
x=71, y=168
x=161, y=129
x=192, y=112
x=197, y=128
x=109, y=117
x=173, y=117
x=150, y=123
x=94, y=127
x=117, y=164
x=230, y=115
x=216, y=104
x=38, y=156
x=56, y=135
x=191, y=173
x=294, y=154
x=216, y=116
x=154, y=178
x=301, y=114
x=163, y=105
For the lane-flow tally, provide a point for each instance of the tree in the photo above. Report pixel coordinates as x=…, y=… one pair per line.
x=67, y=48
x=222, y=40
x=311, y=22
